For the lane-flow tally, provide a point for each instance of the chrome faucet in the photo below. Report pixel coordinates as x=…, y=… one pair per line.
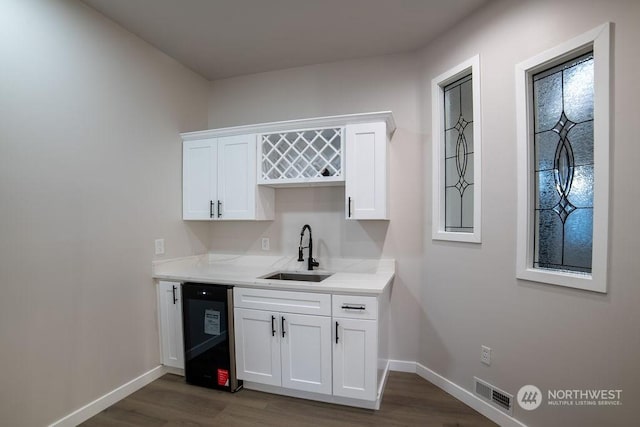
x=310, y=261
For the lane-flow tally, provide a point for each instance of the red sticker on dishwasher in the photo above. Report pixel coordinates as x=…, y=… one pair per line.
x=223, y=377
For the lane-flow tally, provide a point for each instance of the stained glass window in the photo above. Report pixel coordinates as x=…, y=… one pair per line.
x=458, y=155
x=563, y=161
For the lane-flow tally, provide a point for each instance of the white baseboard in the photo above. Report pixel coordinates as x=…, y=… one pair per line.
x=103, y=402
x=402, y=366
x=456, y=391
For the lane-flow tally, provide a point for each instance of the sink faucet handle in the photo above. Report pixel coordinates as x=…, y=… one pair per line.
x=314, y=263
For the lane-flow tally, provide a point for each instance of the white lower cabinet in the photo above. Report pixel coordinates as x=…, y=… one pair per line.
x=355, y=352
x=306, y=353
x=277, y=345
x=170, y=319
x=257, y=346
x=355, y=359
x=329, y=346
x=310, y=342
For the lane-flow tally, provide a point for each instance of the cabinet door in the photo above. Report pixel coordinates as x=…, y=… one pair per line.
x=237, y=176
x=257, y=346
x=170, y=313
x=355, y=358
x=366, y=171
x=199, y=179
x=306, y=352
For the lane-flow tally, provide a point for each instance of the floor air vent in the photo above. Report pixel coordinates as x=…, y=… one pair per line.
x=493, y=395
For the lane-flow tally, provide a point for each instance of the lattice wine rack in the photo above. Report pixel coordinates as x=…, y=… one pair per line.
x=302, y=156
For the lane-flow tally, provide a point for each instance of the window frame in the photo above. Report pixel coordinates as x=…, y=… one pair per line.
x=598, y=40
x=470, y=66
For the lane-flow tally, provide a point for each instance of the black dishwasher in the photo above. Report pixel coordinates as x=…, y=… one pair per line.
x=209, y=348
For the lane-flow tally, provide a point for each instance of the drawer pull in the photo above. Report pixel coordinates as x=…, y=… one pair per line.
x=353, y=307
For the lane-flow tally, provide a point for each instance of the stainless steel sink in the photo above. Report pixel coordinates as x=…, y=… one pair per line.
x=298, y=276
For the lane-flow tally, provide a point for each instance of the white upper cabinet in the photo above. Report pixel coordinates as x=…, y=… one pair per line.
x=367, y=177
x=236, y=177
x=199, y=178
x=219, y=181
x=230, y=173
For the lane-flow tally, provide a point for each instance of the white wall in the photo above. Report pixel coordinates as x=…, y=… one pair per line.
x=544, y=335
x=375, y=84
x=90, y=174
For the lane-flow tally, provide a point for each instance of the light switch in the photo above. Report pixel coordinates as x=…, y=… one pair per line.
x=159, y=246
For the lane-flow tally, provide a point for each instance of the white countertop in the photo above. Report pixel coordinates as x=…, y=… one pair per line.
x=350, y=276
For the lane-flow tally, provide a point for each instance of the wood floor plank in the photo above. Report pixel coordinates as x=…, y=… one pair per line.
x=408, y=401
x=121, y=416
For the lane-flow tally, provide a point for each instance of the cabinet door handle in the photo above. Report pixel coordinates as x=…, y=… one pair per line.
x=219, y=208
x=336, y=332
x=349, y=207
x=210, y=208
x=353, y=307
x=283, y=332
x=174, y=294
x=273, y=326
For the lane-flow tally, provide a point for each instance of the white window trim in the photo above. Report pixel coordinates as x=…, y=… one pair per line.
x=597, y=39
x=437, y=96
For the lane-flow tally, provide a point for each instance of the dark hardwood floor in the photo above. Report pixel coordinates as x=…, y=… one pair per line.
x=408, y=401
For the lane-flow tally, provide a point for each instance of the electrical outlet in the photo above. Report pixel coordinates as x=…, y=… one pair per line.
x=265, y=243
x=159, y=246
x=485, y=355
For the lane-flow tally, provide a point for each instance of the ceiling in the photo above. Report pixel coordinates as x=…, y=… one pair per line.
x=225, y=38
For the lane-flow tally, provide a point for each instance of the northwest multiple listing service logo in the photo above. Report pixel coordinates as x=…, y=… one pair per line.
x=530, y=397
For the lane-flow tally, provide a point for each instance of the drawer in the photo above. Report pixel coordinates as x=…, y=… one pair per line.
x=355, y=307
x=282, y=301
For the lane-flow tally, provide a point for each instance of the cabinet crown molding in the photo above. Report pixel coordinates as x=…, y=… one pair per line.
x=287, y=125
